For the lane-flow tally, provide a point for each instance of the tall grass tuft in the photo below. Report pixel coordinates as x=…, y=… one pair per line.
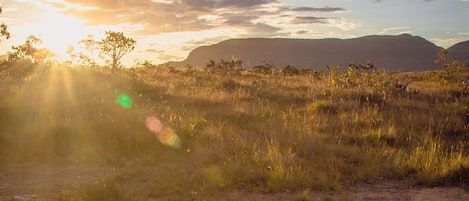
x=101, y=190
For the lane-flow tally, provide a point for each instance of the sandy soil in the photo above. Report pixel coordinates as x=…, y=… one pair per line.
x=42, y=182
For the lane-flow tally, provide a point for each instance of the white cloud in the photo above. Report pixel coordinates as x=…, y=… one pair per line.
x=447, y=42
x=162, y=1
x=343, y=24
x=396, y=30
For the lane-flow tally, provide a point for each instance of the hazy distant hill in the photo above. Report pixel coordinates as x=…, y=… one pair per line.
x=3, y=57
x=397, y=53
x=459, y=51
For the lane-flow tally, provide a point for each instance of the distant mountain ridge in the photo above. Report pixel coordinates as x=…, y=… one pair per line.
x=459, y=51
x=395, y=53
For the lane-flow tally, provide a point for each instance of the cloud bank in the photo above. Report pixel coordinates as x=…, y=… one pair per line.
x=260, y=17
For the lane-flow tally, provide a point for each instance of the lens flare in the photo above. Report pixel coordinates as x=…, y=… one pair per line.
x=124, y=101
x=165, y=135
x=154, y=124
x=168, y=137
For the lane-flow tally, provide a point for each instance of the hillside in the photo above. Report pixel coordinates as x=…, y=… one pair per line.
x=396, y=53
x=459, y=51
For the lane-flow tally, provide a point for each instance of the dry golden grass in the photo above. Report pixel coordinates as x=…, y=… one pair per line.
x=259, y=133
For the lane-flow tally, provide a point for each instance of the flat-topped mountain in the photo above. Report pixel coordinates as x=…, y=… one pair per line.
x=396, y=53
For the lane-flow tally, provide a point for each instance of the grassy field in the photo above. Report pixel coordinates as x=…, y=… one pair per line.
x=177, y=133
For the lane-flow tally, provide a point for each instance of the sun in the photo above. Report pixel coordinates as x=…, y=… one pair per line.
x=58, y=32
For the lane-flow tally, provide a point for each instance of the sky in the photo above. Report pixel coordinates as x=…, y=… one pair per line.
x=167, y=30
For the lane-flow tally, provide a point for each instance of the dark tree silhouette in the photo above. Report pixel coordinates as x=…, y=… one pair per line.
x=114, y=46
x=4, y=29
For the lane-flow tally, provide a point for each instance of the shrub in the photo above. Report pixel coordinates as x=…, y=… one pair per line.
x=321, y=107
x=290, y=70
x=229, y=85
x=262, y=69
x=233, y=65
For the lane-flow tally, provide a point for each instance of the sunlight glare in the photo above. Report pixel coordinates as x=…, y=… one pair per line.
x=58, y=31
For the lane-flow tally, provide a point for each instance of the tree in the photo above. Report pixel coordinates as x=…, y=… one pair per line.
x=26, y=50
x=114, y=46
x=84, y=58
x=4, y=29
x=455, y=70
x=90, y=45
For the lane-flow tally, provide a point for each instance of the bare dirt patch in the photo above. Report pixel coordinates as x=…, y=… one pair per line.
x=379, y=191
x=19, y=182
x=395, y=190
x=43, y=182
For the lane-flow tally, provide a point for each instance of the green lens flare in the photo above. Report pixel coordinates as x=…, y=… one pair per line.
x=174, y=142
x=124, y=100
x=168, y=137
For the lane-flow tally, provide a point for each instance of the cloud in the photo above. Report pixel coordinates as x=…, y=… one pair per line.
x=211, y=4
x=448, y=42
x=309, y=20
x=380, y=1
x=324, y=9
x=163, y=16
x=302, y=32
x=234, y=20
x=262, y=29
x=55, y=4
x=396, y=30
x=179, y=26
x=153, y=51
x=343, y=24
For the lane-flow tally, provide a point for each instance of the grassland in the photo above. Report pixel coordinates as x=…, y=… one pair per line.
x=235, y=130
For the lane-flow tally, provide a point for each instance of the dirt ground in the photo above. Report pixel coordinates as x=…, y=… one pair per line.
x=19, y=182
x=379, y=191
x=39, y=183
